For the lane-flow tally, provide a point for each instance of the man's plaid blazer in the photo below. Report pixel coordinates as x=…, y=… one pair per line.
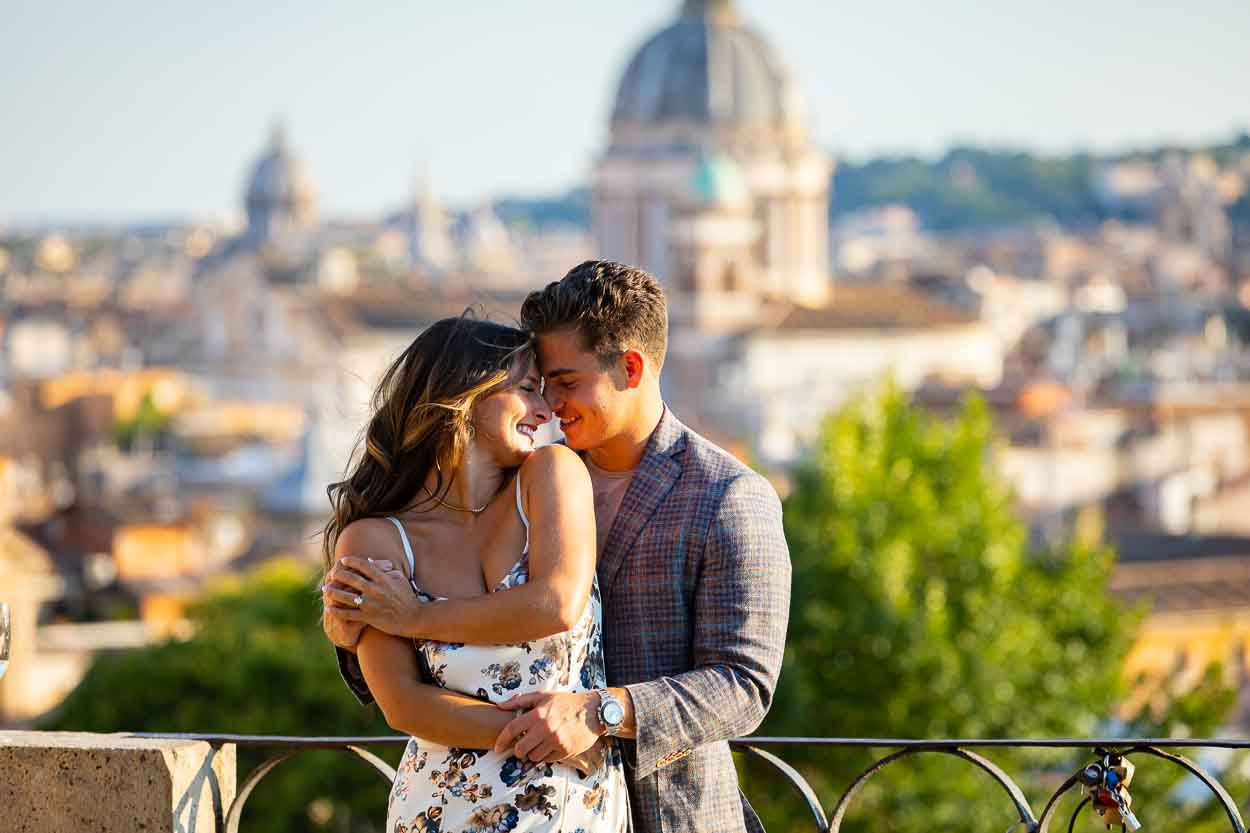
x=695, y=578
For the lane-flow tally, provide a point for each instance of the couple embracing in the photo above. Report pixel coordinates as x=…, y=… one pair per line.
x=569, y=634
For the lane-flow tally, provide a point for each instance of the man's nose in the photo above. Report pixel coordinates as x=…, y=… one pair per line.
x=554, y=402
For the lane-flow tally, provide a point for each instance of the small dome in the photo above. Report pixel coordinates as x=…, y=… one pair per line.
x=706, y=67
x=279, y=180
x=280, y=192
x=718, y=181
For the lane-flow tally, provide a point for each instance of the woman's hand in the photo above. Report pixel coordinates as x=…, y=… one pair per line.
x=363, y=591
x=589, y=761
x=338, y=630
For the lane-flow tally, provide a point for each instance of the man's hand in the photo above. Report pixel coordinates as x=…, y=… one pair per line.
x=386, y=600
x=558, y=725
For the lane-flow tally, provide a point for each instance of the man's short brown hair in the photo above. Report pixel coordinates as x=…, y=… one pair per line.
x=615, y=308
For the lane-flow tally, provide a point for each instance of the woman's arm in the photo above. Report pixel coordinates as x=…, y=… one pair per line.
x=392, y=674
x=436, y=714
x=558, y=500
x=426, y=711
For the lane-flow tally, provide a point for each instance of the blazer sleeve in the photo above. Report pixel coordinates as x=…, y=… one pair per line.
x=353, y=677
x=741, y=609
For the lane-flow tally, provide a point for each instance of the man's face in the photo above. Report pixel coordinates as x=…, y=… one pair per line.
x=586, y=398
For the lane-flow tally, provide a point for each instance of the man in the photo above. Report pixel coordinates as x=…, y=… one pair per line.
x=693, y=567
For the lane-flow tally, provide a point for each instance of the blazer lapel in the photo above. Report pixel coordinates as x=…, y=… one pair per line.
x=654, y=478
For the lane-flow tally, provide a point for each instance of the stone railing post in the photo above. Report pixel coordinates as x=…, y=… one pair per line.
x=58, y=781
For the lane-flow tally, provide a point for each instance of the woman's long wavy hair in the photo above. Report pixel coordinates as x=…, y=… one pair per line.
x=422, y=419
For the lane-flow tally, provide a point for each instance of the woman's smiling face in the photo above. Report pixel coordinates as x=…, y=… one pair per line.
x=505, y=422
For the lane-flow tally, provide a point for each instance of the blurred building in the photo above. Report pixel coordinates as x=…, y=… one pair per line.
x=1147, y=471
x=1197, y=591
x=280, y=197
x=774, y=382
x=428, y=228
x=710, y=179
x=28, y=579
x=1186, y=197
x=881, y=242
x=487, y=246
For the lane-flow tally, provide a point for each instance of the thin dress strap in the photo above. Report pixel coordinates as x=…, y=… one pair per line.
x=521, y=511
x=412, y=565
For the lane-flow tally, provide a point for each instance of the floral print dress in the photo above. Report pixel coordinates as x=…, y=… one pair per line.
x=447, y=790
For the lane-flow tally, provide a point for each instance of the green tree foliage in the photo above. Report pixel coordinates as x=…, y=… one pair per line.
x=919, y=611
x=972, y=188
x=148, y=421
x=258, y=664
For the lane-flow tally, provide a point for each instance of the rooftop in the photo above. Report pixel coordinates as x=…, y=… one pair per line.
x=874, y=306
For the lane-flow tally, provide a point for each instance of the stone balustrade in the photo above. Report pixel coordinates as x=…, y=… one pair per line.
x=53, y=782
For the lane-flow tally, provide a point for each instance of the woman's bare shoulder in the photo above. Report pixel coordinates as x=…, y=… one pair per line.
x=375, y=538
x=554, y=464
x=554, y=457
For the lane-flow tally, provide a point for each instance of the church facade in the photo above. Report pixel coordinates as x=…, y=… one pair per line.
x=710, y=179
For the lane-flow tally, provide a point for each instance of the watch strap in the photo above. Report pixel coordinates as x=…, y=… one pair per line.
x=606, y=697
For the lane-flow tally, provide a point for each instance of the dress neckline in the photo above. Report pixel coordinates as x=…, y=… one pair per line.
x=499, y=585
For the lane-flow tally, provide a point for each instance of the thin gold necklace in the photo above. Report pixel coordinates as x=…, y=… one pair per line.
x=439, y=500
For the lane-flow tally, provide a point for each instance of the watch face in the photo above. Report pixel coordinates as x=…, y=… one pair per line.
x=613, y=714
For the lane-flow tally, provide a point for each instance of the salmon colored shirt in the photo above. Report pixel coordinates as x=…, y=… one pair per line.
x=609, y=488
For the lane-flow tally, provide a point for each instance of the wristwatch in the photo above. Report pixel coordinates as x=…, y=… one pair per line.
x=611, y=712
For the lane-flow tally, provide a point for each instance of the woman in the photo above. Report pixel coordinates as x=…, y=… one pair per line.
x=451, y=488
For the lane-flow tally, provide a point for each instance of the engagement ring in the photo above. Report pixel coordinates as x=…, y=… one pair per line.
x=358, y=601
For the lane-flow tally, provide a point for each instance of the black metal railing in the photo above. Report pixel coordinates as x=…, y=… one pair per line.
x=759, y=748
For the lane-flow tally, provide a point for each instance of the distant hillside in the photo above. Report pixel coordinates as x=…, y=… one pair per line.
x=571, y=208
x=968, y=188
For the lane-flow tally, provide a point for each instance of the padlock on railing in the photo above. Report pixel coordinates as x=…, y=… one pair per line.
x=1106, y=783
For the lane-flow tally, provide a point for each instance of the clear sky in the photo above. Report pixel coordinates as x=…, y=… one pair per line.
x=127, y=110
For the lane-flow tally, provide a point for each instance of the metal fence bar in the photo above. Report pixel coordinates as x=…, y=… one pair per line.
x=1209, y=781
x=760, y=740
x=823, y=822
x=796, y=780
x=1004, y=780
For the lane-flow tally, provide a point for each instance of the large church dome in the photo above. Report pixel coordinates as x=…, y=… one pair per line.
x=709, y=148
x=706, y=68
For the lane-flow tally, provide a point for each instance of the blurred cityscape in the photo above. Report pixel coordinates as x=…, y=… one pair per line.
x=174, y=399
